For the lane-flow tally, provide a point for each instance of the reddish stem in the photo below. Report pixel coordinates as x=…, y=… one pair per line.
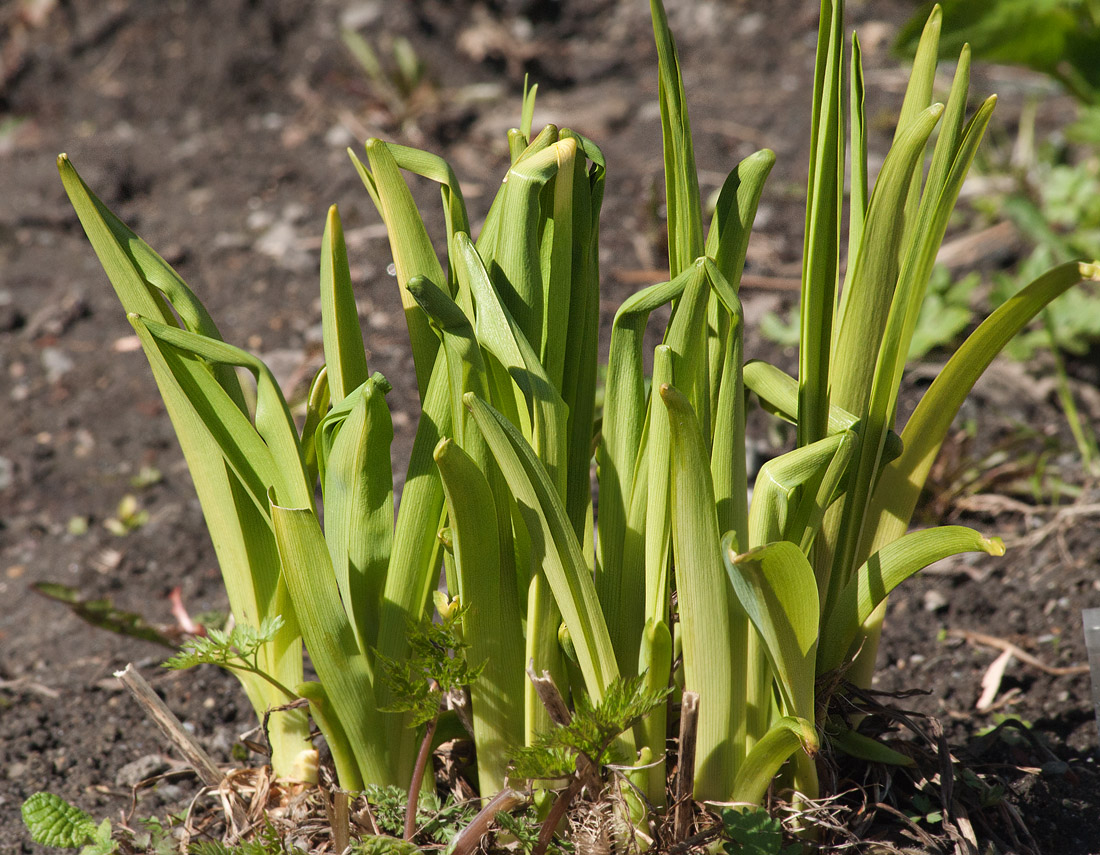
x=557, y=811
x=418, y=776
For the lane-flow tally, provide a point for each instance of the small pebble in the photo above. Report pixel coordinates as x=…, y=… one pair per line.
x=56, y=363
x=136, y=771
x=934, y=601
x=171, y=792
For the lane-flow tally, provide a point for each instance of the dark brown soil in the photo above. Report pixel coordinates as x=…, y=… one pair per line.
x=217, y=129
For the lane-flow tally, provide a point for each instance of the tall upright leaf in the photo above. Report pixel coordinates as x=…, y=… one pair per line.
x=710, y=627
x=684, y=214
x=821, y=244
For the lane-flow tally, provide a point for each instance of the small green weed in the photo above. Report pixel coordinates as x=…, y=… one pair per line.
x=925, y=811
x=754, y=832
x=52, y=821
x=129, y=516
x=238, y=650
x=522, y=827
x=436, y=665
x=591, y=732
x=267, y=842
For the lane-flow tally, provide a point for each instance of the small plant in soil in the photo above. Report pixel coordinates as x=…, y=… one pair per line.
x=679, y=589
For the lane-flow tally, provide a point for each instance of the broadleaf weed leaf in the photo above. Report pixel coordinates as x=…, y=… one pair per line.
x=52, y=821
x=754, y=832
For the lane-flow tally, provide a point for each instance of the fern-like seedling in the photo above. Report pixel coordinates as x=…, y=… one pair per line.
x=237, y=650
x=267, y=841
x=436, y=664
x=591, y=733
x=524, y=828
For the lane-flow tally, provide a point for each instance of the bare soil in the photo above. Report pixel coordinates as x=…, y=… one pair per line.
x=217, y=129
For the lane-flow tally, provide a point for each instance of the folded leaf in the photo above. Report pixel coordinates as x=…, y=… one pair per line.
x=711, y=628
x=786, y=736
x=554, y=546
x=491, y=620
x=776, y=587
x=884, y=571
x=359, y=507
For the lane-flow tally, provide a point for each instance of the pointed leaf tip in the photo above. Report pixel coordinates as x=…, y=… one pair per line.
x=994, y=546
x=1090, y=270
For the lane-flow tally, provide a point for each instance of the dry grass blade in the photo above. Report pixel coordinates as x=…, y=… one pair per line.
x=171, y=726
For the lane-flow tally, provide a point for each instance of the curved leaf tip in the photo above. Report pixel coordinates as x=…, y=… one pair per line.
x=381, y=383
x=811, y=743
x=736, y=557
x=994, y=546
x=1089, y=269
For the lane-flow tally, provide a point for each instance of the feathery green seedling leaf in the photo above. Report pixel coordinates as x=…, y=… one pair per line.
x=436, y=664
x=238, y=649
x=590, y=732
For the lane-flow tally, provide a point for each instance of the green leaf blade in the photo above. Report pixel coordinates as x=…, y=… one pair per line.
x=709, y=626
x=884, y=571
x=341, y=666
x=776, y=587
x=555, y=542
x=345, y=356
